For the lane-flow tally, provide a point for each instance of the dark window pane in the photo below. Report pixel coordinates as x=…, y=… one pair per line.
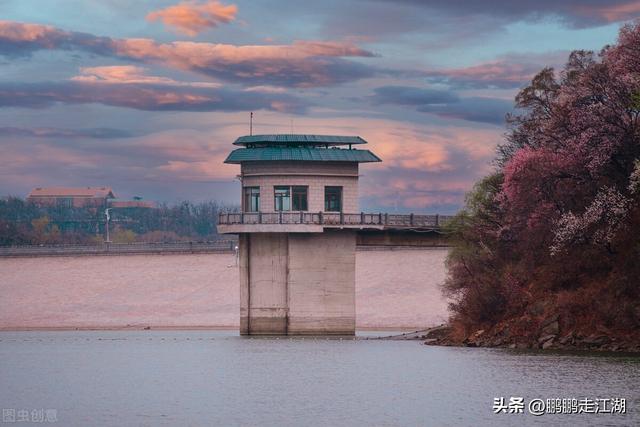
x=333, y=199
x=299, y=198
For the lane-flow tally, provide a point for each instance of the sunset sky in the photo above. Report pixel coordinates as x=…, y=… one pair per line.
x=147, y=96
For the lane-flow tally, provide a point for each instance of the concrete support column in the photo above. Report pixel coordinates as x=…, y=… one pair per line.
x=244, y=241
x=267, y=285
x=297, y=283
x=322, y=283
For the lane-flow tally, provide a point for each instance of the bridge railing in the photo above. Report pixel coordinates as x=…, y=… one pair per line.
x=334, y=219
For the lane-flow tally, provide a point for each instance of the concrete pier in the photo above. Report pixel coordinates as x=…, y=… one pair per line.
x=297, y=283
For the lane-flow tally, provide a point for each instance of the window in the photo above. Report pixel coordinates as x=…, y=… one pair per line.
x=251, y=199
x=299, y=198
x=290, y=198
x=64, y=202
x=333, y=199
x=282, y=198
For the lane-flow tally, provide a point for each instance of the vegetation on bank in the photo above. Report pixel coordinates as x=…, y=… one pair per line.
x=548, y=246
x=24, y=223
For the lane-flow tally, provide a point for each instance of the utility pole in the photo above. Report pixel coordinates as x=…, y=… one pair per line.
x=251, y=123
x=106, y=213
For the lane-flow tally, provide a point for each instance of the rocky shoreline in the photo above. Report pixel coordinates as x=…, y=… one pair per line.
x=547, y=337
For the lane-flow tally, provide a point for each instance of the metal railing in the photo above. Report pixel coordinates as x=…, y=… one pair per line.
x=334, y=219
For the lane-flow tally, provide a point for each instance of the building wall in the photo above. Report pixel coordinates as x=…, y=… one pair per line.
x=75, y=201
x=297, y=284
x=315, y=175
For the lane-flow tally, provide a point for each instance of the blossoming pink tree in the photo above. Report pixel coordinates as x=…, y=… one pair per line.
x=564, y=206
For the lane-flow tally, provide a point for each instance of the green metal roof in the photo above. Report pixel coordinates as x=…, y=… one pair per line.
x=304, y=154
x=293, y=140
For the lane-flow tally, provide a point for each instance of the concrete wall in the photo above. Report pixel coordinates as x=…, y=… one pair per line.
x=315, y=175
x=322, y=283
x=402, y=238
x=297, y=284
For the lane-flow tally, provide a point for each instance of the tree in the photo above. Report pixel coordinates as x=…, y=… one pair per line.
x=562, y=211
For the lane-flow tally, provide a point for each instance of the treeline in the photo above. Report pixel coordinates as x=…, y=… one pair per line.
x=24, y=223
x=548, y=246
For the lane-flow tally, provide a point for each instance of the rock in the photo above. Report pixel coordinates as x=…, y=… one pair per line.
x=496, y=342
x=441, y=331
x=567, y=339
x=477, y=334
x=431, y=341
x=473, y=339
x=596, y=340
x=547, y=344
x=545, y=338
x=552, y=328
x=549, y=320
x=512, y=345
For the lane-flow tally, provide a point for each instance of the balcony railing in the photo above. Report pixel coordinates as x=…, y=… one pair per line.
x=335, y=219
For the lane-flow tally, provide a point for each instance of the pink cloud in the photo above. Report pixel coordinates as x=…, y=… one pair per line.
x=610, y=12
x=191, y=18
x=304, y=63
x=123, y=74
x=144, y=95
x=508, y=71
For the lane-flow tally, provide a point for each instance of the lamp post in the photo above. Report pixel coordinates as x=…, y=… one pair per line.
x=106, y=213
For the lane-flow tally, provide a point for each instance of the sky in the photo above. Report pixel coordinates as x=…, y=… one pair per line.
x=147, y=96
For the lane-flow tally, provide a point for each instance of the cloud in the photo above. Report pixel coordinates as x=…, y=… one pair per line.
x=407, y=95
x=144, y=96
x=507, y=72
x=191, y=18
x=444, y=103
x=49, y=132
x=126, y=74
x=613, y=12
x=305, y=63
x=473, y=109
x=20, y=39
x=575, y=13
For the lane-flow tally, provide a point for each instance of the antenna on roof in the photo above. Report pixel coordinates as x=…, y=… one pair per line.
x=251, y=123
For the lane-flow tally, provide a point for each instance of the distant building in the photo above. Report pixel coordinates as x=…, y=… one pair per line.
x=135, y=203
x=71, y=196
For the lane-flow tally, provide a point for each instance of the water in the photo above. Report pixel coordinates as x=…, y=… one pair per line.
x=198, y=378
x=393, y=288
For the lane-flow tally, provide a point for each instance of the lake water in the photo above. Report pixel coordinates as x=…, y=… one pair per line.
x=200, y=378
x=393, y=289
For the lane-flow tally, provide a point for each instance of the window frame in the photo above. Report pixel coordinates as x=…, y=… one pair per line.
x=294, y=195
x=248, y=191
x=340, y=198
x=301, y=189
x=286, y=197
